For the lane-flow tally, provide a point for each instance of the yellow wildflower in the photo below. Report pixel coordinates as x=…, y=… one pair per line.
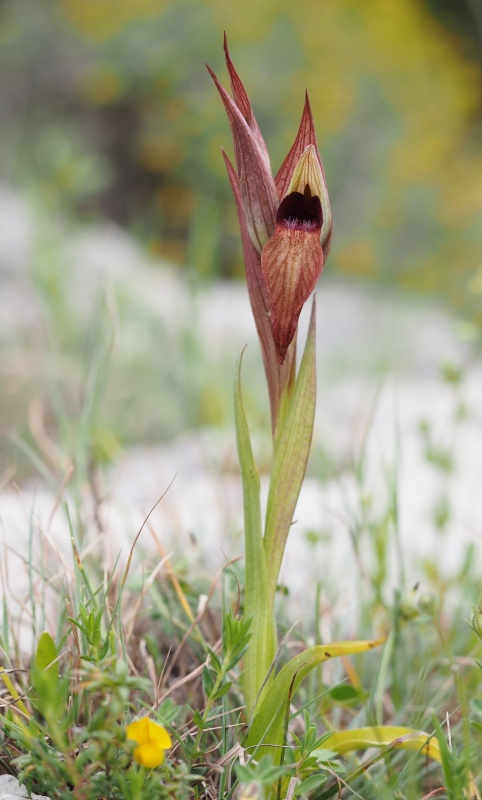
x=152, y=740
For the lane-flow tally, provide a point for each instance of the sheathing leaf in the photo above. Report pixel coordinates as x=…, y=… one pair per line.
x=384, y=736
x=265, y=734
x=261, y=648
x=290, y=459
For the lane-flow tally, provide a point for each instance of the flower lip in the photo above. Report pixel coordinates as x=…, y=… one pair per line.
x=300, y=212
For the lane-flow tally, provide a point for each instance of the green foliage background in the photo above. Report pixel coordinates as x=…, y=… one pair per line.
x=109, y=110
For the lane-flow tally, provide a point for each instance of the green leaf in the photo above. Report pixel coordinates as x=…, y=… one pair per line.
x=311, y=783
x=236, y=636
x=265, y=734
x=476, y=725
x=262, y=646
x=323, y=755
x=290, y=459
x=265, y=772
x=198, y=720
x=476, y=706
x=49, y=696
x=207, y=682
x=45, y=655
x=5, y=677
x=344, y=694
x=105, y=648
x=385, y=736
x=223, y=690
x=453, y=766
x=79, y=626
x=215, y=662
x=92, y=624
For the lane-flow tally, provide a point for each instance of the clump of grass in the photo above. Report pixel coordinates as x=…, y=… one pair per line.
x=165, y=647
x=168, y=646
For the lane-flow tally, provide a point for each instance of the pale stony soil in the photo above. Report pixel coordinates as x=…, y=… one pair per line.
x=10, y=790
x=379, y=356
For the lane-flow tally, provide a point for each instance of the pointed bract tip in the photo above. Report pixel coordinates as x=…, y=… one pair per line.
x=227, y=57
x=212, y=74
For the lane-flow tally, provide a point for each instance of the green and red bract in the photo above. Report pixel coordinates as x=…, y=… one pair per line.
x=285, y=226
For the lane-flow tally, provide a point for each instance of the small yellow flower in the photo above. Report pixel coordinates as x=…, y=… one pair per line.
x=152, y=740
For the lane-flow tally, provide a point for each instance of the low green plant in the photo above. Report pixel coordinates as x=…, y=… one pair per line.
x=67, y=730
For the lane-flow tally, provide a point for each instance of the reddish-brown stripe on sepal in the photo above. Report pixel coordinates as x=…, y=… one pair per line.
x=256, y=183
x=242, y=101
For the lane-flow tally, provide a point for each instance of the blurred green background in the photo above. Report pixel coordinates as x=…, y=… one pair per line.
x=108, y=114
x=108, y=111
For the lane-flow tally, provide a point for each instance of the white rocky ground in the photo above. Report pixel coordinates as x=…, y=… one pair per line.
x=10, y=790
x=379, y=356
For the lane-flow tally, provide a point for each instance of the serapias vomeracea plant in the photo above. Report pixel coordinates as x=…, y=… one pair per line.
x=286, y=230
x=285, y=226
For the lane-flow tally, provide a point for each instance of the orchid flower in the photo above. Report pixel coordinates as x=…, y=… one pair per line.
x=285, y=224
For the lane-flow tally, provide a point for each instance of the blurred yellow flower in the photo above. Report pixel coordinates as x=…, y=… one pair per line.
x=152, y=740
